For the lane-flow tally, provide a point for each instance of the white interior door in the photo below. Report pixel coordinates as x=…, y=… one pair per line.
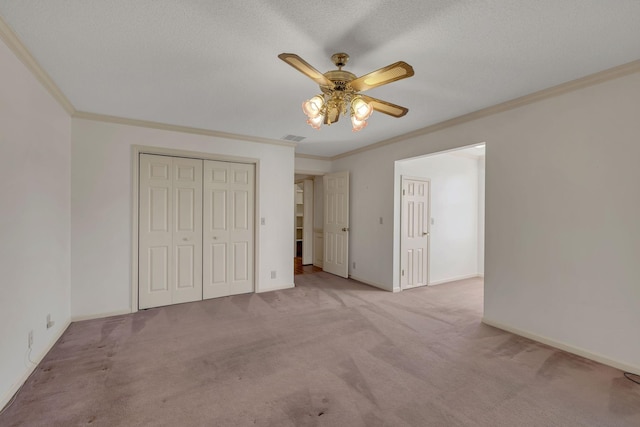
x=336, y=223
x=228, y=233
x=414, y=241
x=170, y=230
x=187, y=230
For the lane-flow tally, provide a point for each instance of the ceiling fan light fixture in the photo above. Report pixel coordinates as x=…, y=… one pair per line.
x=357, y=125
x=360, y=109
x=316, y=122
x=313, y=107
x=341, y=91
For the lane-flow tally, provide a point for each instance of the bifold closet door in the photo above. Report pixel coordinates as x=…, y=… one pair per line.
x=228, y=229
x=170, y=231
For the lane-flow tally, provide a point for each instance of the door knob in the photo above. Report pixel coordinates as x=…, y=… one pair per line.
x=426, y=233
x=214, y=238
x=345, y=228
x=185, y=239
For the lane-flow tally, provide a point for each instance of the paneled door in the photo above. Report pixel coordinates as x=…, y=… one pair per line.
x=170, y=231
x=336, y=224
x=414, y=240
x=228, y=233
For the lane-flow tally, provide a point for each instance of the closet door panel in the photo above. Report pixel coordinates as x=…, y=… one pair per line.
x=229, y=213
x=155, y=255
x=187, y=233
x=170, y=231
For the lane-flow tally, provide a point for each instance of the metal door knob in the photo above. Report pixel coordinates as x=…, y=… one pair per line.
x=345, y=228
x=185, y=239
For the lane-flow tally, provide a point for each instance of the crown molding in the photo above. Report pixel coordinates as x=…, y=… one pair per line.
x=13, y=42
x=590, y=80
x=312, y=156
x=176, y=128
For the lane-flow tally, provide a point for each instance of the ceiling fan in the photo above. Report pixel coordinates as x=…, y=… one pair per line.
x=341, y=91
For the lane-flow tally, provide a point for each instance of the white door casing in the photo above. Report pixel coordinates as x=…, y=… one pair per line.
x=228, y=231
x=415, y=233
x=170, y=231
x=336, y=223
x=307, y=222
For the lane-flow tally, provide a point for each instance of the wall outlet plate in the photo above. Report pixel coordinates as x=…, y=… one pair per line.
x=50, y=322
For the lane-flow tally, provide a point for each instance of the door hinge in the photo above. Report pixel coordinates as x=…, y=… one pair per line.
x=404, y=192
x=403, y=272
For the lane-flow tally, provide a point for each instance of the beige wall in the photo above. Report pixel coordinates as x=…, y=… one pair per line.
x=562, y=241
x=101, y=226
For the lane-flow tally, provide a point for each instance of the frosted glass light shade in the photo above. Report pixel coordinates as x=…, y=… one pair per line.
x=313, y=107
x=358, y=124
x=361, y=109
x=316, y=122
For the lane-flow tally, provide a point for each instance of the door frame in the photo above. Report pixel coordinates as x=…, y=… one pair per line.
x=428, y=219
x=136, y=150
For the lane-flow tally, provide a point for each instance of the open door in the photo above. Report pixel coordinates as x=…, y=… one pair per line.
x=336, y=223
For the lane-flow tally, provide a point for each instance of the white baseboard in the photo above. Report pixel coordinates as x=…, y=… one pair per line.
x=100, y=315
x=635, y=369
x=370, y=283
x=454, y=279
x=16, y=386
x=277, y=288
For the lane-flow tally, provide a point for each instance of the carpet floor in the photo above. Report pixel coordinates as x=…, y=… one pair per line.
x=330, y=352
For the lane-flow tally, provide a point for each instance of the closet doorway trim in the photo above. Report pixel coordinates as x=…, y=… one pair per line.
x=136, y=150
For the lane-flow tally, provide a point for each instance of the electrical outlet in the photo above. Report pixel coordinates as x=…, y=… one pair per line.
x=380, y=220
x=50, y=322
x=263, y=221
x=273, y=274
x=30, y=338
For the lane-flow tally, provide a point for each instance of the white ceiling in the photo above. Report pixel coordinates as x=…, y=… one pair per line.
x=213, y=64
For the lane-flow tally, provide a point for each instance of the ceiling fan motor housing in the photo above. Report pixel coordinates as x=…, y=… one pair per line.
x=340, y=79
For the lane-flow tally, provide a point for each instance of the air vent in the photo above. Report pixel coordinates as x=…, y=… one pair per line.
x=294, y=138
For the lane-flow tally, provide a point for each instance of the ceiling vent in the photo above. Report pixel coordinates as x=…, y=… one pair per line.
x=294, y=138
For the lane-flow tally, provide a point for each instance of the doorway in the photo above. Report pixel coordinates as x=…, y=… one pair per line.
x=195, y=228
x=303, y=221
x=442, y=241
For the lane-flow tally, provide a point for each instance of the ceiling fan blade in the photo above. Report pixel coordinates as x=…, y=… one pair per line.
x=386, y=107
x=390, y=73
x=303, y=66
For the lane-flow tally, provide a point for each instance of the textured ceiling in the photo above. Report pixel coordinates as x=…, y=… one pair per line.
x=214, y=65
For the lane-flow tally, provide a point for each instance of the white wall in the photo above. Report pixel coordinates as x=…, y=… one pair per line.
x=453, y=248
x=34, y=220
x=562, y=209
x=101, y=209
x=481, y=196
